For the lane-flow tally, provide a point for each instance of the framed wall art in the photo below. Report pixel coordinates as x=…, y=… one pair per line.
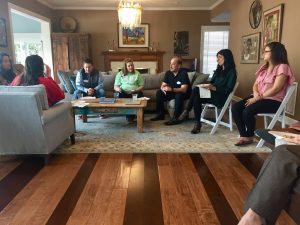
x=255, y=14
x=3, y=33
x=181, y=43
x=250, y=48
x=137, y=37
x=272, y=25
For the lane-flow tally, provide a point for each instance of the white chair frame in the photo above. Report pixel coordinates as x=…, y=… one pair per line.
x=219, y=116
x=279, y=115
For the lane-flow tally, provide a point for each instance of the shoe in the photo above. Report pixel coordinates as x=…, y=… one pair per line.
x=158, y=117
x=243, y=142
x=173, y=121
x=197, y=128
x=130, y=119
x=183, y=115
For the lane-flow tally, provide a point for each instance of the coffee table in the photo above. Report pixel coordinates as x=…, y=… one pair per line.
x=118, y=108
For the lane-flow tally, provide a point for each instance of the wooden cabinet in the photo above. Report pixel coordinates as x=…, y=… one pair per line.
x=69, y=50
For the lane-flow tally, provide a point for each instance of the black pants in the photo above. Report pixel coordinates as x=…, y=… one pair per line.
x=277, y=184
x=244, y=116
x=196, y=102
x=161, y=97
x=125, y=95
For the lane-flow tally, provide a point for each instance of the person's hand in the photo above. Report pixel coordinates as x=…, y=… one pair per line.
x=91, y=91
x=250, y=101
x=118, y=89
x=256, y=95
x=165, y=89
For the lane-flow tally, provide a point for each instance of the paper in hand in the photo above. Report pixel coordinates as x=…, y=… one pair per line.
x=204, y=92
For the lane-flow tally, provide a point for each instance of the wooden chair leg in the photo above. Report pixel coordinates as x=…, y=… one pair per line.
x=72, y=138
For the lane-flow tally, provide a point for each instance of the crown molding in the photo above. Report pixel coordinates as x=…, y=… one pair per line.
x=115, y=8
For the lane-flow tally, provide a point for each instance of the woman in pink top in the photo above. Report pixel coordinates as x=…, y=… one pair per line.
x=272, y=81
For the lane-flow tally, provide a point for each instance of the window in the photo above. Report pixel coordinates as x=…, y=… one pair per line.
x=213, y=39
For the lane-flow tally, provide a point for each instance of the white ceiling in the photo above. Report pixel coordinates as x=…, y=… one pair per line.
x=146, y=4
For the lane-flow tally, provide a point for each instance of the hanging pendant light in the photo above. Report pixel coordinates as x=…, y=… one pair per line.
x=129, y=13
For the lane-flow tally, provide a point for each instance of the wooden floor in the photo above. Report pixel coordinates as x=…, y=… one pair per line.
x=129, y=189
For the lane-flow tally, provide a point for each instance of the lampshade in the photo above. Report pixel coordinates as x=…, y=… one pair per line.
x=129, y=13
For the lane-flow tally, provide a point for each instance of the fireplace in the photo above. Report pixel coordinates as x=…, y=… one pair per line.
x=143, y=60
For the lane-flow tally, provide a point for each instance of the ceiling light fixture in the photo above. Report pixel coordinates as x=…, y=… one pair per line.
x=129, y=13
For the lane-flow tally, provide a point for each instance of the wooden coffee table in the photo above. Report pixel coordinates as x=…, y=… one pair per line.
x=118, y=108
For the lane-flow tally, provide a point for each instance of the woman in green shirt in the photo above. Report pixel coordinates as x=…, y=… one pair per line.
x=129, y=81
x=221, y=85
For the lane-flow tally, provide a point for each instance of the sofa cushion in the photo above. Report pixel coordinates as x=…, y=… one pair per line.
x=73, y=81
x=64, y=77
x=153, y=81
x=199, y=78
x=39, y=89
x=108, y=82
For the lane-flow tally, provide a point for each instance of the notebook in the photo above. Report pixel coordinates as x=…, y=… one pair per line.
x=107, y=100
x=132, y=102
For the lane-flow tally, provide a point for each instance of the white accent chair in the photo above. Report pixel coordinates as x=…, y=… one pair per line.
x=279, y=115
x=219, y=116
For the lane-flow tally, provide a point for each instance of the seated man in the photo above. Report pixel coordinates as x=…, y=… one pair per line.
x=176, y=85
x=89, y=81
x=276, y=183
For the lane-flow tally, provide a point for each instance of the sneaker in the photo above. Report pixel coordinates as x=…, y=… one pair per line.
x=173, y=122
x=197, y=128
x=157, y=117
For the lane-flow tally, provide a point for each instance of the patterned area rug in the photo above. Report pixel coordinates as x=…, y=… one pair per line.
x=115, y=134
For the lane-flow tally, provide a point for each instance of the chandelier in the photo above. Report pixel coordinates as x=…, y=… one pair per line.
x=129, y=13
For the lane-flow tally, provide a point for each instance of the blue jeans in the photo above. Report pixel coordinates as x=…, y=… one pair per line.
x=98, y=93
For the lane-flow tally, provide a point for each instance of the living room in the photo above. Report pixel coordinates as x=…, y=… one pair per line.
x=102, y=26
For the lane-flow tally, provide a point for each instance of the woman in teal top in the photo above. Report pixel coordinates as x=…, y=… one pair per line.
x=221, y=85
x=129, y=81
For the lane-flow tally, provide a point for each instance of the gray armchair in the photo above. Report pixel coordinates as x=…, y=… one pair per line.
x=28, y=125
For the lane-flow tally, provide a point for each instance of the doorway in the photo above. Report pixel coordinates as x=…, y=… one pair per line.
x=31, y=34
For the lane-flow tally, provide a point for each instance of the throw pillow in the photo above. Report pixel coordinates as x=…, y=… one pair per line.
x=73, y=81
x=199, y=78
x=64, y=77
x=191, y=75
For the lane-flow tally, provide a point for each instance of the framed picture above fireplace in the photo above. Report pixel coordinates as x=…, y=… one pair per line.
x=137, y=37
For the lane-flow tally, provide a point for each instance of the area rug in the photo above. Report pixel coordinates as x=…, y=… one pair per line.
x=116, y=135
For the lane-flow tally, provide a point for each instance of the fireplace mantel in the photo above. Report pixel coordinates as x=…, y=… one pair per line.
x=135, y=55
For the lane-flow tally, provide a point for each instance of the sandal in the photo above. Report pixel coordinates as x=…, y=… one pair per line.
x=243, y=142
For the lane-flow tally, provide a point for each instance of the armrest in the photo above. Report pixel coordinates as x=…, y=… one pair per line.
x=55, y=111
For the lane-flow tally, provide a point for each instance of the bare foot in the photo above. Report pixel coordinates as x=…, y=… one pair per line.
x=251, y=218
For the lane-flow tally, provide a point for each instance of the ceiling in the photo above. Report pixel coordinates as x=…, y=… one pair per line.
x=146, y=4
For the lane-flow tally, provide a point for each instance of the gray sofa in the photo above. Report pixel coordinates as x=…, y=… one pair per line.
x=152, y=84
x=28, y=125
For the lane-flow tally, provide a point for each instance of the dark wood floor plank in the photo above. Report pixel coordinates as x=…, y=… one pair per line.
x=8, y=164
x=65, y=207
x=222, y=208
x=233, y=179
x=15, y=181
x=143, y=205
x=203, y=205
x=36, y=201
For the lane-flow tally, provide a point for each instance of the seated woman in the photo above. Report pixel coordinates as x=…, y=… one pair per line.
x=34, y=74
x=272, y=80
x=221, y=85
x=6, y=71
x=129, y=81
x=277, y=184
